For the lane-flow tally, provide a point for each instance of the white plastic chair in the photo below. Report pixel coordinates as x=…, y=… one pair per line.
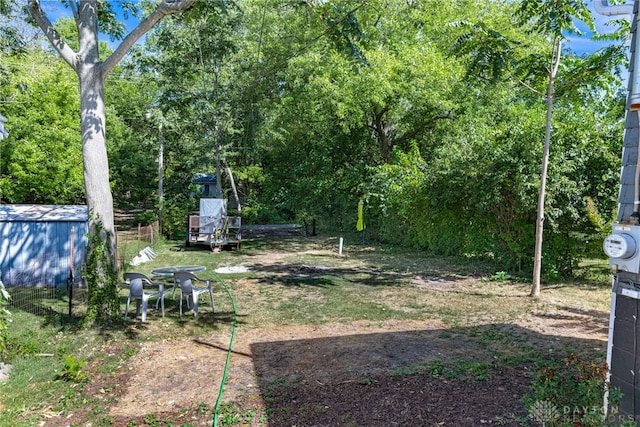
x=185, y=280
x=137, y=292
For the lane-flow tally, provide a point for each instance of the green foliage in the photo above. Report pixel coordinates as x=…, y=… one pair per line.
x=174, y=219
x=443, y=148
x=573, y=387
x=146, y=217
x=102, y=279
x=490, y=54
x=262, y=213
x=24, y=345
x=11, y=40
x=500, y=276
x=229, y=414
x=4, y=320
x=394, y=197
x=41, y=160
x=343, y=28
x=73, y=370
x=554, y=17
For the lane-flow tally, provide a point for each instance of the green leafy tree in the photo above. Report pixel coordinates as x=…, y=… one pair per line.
x=552, y=18
x=327, y=105
x=91, y=17
x=41, y=158
x=491, y=53
x=186, y=69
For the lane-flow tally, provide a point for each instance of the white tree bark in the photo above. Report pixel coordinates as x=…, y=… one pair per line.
x=91, y=74
x=537, y=258
x=236, y=196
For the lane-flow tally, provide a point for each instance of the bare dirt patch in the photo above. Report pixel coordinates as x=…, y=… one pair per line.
x=333, y=375
x=360, y=373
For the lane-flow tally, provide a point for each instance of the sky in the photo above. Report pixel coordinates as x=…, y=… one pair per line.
x=54, y=10
x=577, y=44
x=581, y=45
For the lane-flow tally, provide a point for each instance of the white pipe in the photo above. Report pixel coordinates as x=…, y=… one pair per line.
x=340, y=247
x=612, y=319
x=602, y=7
x=636, y=184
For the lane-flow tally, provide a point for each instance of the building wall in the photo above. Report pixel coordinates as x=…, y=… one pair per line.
x=624, y=347
x=37, y=251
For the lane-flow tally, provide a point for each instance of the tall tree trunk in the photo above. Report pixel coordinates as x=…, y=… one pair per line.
x=94, y=147
x=234, y=189
x=91, y=75
x=537, y=258
x=219, y=194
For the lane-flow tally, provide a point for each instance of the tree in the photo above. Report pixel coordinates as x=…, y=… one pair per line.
x=340, y=117
x=42, y=159
x=551, y=18
x=494, y=56
x=92, y=16
x=185, y=67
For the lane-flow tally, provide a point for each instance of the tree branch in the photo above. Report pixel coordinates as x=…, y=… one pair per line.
x=54, y=37
x=73, y=5
x=531, y=88
x=419, y=130
x=167, y=7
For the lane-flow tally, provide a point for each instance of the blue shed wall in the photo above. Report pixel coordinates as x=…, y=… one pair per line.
x=38, y=252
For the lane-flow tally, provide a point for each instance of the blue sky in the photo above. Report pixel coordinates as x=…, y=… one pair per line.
x=581, y=45
x=54, y=10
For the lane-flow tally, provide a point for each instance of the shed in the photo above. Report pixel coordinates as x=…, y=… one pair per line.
x=207, y=185
x=38, y=242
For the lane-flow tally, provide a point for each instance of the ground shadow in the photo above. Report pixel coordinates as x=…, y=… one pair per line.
x=455, y=377
x=289, y=274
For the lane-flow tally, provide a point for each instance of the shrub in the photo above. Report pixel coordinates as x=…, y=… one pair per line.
x=569, y=392
x=4, y=320
x=73, y=370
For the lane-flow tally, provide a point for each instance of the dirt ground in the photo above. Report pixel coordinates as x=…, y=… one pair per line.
x=328, y=375
x=355, y=374
x=342, y=373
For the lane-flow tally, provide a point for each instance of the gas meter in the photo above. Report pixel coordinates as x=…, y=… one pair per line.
x=622, y=247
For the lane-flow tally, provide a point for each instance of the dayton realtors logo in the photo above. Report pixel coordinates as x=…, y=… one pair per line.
x=544, y=412
x=548, y=414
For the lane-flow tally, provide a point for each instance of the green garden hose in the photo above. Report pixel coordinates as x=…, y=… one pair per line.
x=226, y=365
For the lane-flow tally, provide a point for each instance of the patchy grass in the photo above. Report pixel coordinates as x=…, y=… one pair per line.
x=297, y=282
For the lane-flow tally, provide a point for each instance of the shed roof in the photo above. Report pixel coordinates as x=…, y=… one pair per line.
x=205, y=179
x=43, y=213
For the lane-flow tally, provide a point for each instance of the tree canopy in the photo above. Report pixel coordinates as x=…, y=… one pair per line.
x=431, y=112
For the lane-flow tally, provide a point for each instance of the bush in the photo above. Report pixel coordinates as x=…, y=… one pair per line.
x=569, y=392
x=146, y=217
x=4, y=320
x=174, y=221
